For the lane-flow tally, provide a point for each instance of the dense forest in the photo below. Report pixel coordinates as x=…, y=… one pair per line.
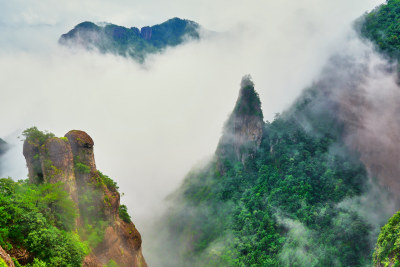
x=381, y=26
x=274, y=193
x=277, y=207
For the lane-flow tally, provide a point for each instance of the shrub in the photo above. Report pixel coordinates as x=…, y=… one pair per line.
x=35, y=136
x=82, y=168
x=123, y=214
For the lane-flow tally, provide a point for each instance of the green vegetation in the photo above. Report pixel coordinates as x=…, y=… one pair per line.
x=108, y=182
x=92, y=215
x=40, y=218
x=382, y=27
x=123, y=213
x=111, y=263
x=33, y=135
x=249, y=99
x=82, y=168
x=388, y=246
x=279, y=208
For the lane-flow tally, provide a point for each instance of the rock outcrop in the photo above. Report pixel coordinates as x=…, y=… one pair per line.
x=5, y=259
x=51, y=162
x=243, y=131
x=70, y=160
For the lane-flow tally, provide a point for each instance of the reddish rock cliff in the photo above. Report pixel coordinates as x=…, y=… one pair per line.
x=70, y=160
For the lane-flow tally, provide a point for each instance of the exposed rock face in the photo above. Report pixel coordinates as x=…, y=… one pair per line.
x=244, y=129
x=120, y=239
x=3, y=149
x=5, y=258
x=145, y=32
x=31, y=154
x=71, y=160
x=82, y=150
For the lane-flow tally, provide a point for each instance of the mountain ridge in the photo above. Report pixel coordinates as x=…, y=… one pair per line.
x=131, y=42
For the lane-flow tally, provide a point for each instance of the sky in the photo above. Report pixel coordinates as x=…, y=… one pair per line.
x=152, y=123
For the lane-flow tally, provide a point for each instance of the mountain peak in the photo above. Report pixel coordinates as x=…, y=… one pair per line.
x=244, y=129
x=248, y=102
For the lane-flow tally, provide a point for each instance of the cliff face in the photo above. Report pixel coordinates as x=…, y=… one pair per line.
x=51, y=162
x=70, y=160
x=244, y=129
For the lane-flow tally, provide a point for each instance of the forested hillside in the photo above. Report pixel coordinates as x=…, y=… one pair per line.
x=274, y=196
x=277, y=204
x=131, y=42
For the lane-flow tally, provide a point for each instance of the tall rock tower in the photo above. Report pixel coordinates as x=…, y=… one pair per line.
x=244, y=129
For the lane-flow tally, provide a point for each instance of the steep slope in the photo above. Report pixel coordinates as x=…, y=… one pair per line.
x=74, y=202
x=131, y=42
x=244, y=129
x=387, y=250
x=382, y=27
x=276, y=203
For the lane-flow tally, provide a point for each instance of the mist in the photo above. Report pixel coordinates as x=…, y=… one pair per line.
x=151, y=123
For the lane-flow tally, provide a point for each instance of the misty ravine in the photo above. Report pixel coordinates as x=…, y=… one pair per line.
x=305, y=171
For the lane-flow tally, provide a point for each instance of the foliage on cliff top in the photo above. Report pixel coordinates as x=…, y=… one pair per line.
x=35, y=136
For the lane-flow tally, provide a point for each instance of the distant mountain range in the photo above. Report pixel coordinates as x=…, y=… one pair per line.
x=131, y=42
